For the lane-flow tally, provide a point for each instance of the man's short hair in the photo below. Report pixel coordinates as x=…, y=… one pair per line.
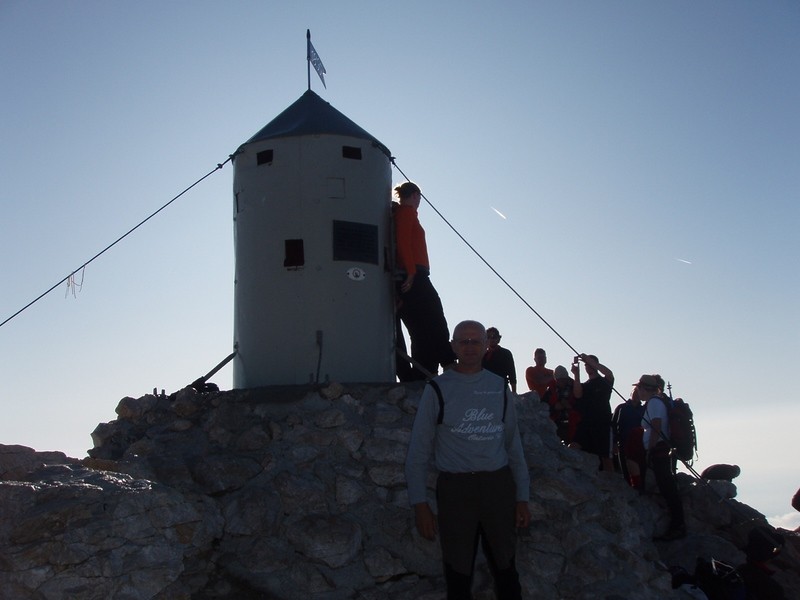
x=468, y=323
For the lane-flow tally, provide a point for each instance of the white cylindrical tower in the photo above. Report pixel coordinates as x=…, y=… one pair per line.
x=313, y=289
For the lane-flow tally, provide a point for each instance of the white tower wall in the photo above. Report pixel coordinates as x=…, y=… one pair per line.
x=313, y=292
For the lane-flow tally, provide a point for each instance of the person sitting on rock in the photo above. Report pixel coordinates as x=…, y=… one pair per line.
x=539, y=377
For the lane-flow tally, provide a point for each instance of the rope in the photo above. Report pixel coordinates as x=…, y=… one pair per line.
x=415, y=364
x=493, y=270
x=71, y=277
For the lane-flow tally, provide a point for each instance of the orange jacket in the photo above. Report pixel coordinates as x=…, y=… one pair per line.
x=410, y=238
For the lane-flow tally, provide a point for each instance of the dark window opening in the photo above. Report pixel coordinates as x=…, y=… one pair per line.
x=264, y=157
x=294, y=254
x=351, y=152
x=355, y=242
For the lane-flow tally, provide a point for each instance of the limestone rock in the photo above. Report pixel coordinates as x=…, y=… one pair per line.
x=72, y=532
x=294, y=492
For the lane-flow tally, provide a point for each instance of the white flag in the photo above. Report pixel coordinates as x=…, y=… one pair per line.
x=315, y=60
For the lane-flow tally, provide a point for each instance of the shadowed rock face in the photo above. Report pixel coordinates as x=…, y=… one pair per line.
x=293, y=492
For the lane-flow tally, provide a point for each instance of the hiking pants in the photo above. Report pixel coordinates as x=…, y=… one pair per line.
x=422, y=313
x=475, y=506
x=661, y=463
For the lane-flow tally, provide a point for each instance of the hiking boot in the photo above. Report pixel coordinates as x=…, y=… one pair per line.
x=673, y=533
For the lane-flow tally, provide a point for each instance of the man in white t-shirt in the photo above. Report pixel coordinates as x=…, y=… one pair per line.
x=655, y=423
x=483, y=487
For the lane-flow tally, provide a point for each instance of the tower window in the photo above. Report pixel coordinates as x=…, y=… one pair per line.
x=264, y=157
x=294, y=257
x=351, y=152
x=355, y=242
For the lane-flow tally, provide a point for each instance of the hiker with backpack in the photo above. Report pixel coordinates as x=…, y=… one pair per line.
x=467, y=421
x=656, y=426
x=626, y=429
x=682, y=433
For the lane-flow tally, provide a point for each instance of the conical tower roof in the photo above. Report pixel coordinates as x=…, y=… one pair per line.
x=311, y=115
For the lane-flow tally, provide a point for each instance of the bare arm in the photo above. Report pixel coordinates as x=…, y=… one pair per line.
x=601, y=368
x=425, y=520
x=655, y=434
x=577, y=386
x=605, y=372
x=523, y=515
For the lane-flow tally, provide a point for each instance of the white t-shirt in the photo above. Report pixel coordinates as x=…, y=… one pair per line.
x=655, y=408
x=472, y=436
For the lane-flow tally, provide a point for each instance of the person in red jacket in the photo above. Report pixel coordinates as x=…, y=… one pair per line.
x=539, y=377
x=420, y=308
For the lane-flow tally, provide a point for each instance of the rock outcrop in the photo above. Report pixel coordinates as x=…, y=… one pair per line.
x=294, y=492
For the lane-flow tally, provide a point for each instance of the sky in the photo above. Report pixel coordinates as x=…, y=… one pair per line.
x=629, y=168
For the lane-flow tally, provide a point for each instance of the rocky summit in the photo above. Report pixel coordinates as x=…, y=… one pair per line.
x=298, y=492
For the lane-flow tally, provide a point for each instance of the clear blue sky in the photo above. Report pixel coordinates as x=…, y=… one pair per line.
x=643, y=156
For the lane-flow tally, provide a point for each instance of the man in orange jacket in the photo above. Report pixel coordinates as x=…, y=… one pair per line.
x=420, y=307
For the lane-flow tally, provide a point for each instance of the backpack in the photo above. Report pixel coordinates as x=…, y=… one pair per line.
x=682, y=433
x=719, y=581
x=712, y=580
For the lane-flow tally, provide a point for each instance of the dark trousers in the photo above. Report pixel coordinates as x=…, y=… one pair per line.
x=477, y=507
x=660, y=461
x=422, y=313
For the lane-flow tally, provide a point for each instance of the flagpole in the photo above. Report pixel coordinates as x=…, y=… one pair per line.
x=308, y=56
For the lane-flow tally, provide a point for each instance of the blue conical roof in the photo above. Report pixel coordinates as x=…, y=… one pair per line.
x=310, y=115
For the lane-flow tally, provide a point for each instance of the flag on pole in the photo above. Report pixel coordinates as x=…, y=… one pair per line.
x=315, y=60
